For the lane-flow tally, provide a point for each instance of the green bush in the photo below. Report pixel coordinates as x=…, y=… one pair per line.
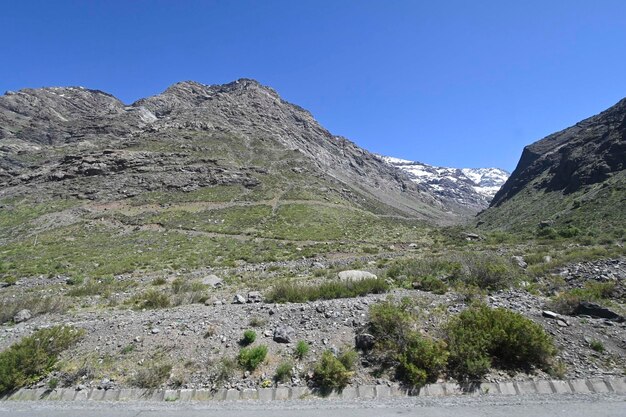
x=249, y=336
x=567, y=301
x=34, y=356
x=597, y=345
x=408, y=271
x=431, y=284
x=330, y=374
x=416, y=359
x=284, y=372
x=251, y=358
x=569, y=231
x=288, y=292
x=348, y=359
x=483, y=270
x=547, y=233
x=301, y=350
x=391, y=323
x=421, y=360
x=151, y=299
x=481, y=337
x=158, y=281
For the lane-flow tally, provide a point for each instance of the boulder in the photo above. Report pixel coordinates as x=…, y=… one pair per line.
x=212, y=281
x=519, y=261
x=284, y=334
x=238, y=299
x=255, y=297
x=596, y=311
x=22, y=315
x=364, y=341
x=356, y=275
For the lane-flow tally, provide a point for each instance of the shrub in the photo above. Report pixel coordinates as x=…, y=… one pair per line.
x=597, y=345
x=284, y=372
x=251, y=358
x=225, y=369
x=330, y=374
x=417, y=359
x=569, y=231
x=188, y=292
x=547, y=233
x=487, y=271
x=390, y=324
x=36, y=304
x=257, y=322
x=481, y=337
x=151, y=299
x=152, y=375
x=288, y=292
x=432, y=284
x=348, y=359
x=34, y=356
x=566, y=302
x=10, y=280
x=483, y=270
x=301, y=350
x=158, y=281
x=249, y=336
x=422, y=360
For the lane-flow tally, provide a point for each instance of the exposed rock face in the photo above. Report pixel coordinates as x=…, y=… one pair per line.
x=569, y=182
x=584, y=154
x=85, y=142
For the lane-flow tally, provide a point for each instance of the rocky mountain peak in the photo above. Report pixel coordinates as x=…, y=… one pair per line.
x=472, y=188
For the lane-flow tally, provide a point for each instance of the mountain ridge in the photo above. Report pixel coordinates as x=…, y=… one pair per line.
x=470, y=187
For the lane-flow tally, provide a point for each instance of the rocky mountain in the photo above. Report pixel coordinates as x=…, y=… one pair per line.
x=470, y=187
x=192, y=135
x=574, y=177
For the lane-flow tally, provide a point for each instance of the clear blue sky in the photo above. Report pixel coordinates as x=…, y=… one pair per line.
x=457, y=83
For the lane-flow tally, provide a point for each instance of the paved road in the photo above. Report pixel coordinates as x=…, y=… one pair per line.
x=528, y=406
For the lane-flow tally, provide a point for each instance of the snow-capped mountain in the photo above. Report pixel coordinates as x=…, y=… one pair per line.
x=470, y=187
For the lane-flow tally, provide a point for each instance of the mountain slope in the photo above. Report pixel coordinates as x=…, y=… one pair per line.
x=472, y=188
x=575, y=177
x=197, y=175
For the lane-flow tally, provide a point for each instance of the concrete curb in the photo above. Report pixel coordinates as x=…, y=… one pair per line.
x=575, y=386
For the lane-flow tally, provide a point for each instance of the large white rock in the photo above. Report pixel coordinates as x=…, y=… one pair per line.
x=355, y=275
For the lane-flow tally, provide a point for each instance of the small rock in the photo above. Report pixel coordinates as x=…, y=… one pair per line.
x=255, y=297
x=22, y=315
x=284, y=334
x=519, y=261
x=550, y=314
x=155, y=331
x=239, y=299
x=561, y=323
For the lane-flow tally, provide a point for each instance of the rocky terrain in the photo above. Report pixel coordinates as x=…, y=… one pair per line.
x=473, y=188
x=197, y=337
